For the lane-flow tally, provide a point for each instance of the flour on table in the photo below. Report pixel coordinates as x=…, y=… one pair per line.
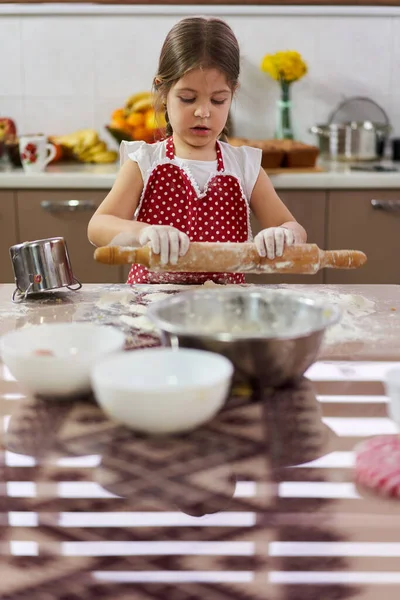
x=349, y=331
x=138, y=309
x=156, y=297
x=353, y=307
x=351, y=328
x=13, y=310
x=141, y=322
x=118, y=297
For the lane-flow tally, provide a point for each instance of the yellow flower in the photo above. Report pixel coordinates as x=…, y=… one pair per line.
x=284, y=66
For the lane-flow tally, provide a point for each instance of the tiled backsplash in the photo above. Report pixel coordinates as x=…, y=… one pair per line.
x=62, y=72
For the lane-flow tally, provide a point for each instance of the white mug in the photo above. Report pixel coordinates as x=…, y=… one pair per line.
x=35, y=152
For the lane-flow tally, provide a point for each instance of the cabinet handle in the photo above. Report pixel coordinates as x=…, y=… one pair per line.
x=68, y=205
x=387, y=205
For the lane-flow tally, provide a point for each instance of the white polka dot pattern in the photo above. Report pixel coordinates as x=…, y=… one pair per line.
x=193, y=215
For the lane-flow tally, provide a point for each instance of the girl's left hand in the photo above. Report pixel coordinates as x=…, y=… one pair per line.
x=271, y=242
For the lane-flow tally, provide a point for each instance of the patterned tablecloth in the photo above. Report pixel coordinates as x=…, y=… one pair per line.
x=259, y=504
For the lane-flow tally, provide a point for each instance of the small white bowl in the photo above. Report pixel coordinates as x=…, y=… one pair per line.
x=162, y=390
x=392, y=388
x=55, y=359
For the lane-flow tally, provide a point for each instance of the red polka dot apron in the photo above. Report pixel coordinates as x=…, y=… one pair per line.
x=218, y=214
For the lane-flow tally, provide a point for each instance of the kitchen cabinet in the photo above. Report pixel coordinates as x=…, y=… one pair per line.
x=309, y=208
x=354, y=223
x=8, y=233
x=49, y=213
x=332, y=218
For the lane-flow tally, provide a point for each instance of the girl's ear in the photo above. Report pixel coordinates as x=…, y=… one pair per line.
x=156, y=83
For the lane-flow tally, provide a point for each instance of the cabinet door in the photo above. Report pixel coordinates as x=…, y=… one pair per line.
x=354, y=223
x=45, y=213
x=308, y=208
x=8, y=234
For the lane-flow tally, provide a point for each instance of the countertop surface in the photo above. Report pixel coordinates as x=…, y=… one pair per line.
x=84, y=176
x=252, y=505
x=369, y=328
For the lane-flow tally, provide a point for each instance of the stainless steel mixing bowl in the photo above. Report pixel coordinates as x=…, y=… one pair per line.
x=272, y=336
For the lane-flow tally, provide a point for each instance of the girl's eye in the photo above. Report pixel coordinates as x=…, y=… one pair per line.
x=218, y=101
x=187, y=100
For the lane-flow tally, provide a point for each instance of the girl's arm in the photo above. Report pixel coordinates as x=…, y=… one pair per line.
x=113, y=220
x=278, y=224
x=114, y=215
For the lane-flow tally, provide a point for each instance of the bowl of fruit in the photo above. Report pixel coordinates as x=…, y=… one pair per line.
x=138, y=120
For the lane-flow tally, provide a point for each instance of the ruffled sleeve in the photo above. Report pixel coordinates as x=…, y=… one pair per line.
x=138, y=152
x=250, y=163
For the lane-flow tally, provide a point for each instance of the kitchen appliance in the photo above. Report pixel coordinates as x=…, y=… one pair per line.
x=356, y=139
x=41, y=265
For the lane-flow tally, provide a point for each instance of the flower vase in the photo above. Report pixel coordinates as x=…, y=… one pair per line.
x=284, y=130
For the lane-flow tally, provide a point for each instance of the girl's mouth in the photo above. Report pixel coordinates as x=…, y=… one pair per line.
x=199, y=130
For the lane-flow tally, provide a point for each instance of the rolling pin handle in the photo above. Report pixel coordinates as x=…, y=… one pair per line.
x=342, y=259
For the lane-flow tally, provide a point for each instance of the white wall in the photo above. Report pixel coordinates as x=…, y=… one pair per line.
x=60, y=71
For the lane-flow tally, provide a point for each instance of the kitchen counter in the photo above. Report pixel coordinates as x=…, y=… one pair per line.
x=101, y=177
x=369, y=328
x=251, y=505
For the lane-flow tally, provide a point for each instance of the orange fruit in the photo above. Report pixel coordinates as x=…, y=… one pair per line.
x=143, y=134
x=119, y=123
x=135, y=119
x=118, y=114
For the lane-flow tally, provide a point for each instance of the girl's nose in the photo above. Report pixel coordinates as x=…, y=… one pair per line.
x=202, y=111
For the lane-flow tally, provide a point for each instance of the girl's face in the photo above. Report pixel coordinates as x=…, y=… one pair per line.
x=198, y=106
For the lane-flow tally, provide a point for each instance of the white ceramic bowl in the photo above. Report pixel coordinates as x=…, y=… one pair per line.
x=55, y=359
x=161, y=390
x=392, y=388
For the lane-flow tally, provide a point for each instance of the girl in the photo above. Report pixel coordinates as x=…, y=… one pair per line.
x=192, y=186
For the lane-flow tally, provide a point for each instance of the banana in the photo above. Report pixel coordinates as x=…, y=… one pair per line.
x=88, y=138
x=135, y=98
x=69, y=141
x=79, y=139
x=85, y=159
x=143, y=105
x=86, y=146
x=92, y=150
x=105, y=157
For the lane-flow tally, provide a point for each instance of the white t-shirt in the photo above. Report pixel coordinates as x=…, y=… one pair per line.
x=243, y=162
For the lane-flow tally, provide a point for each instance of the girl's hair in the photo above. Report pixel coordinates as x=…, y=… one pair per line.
x=196, y=42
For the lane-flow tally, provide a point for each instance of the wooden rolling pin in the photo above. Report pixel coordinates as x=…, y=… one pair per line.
x=209, y=257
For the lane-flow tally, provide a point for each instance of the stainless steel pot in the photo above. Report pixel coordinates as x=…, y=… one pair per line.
x=353, y=140
x=41, y=265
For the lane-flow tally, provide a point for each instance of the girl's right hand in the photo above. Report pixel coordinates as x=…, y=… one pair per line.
x=165, y=240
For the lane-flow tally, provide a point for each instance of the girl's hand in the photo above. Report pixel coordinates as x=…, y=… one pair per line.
x=165, y=240
x=271, y=242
